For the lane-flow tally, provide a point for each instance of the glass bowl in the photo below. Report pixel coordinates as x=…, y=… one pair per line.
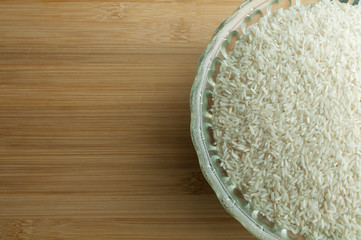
x=249, y=12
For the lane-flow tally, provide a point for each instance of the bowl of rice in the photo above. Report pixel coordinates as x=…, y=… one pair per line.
x=276, y=118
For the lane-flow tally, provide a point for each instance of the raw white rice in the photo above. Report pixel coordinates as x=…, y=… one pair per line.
x=287, y=118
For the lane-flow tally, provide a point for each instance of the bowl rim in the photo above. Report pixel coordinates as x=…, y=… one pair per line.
x=249, y=221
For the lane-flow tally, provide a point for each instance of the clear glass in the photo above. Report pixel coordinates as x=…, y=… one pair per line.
x=249, y=12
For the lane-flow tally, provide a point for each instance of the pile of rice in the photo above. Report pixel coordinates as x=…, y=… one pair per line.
x=287, y=118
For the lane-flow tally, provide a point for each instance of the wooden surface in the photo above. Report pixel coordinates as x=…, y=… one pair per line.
x=94, y=121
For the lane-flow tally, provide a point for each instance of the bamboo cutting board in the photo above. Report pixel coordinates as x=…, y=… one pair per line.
x=94, y=121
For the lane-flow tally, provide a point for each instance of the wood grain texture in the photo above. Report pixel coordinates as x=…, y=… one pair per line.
x=94, y=121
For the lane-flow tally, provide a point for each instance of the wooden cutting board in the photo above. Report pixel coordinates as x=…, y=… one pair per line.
x=94, y=121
